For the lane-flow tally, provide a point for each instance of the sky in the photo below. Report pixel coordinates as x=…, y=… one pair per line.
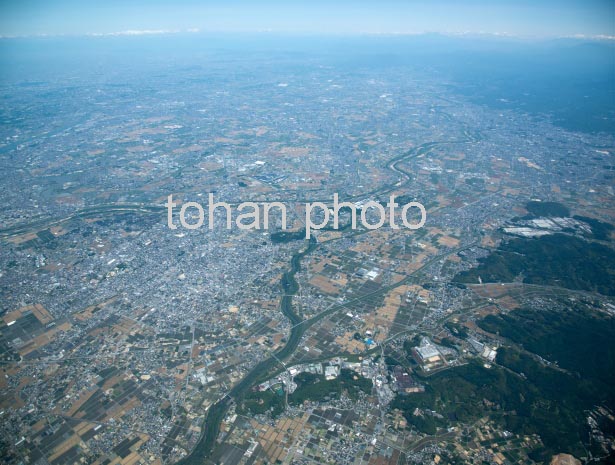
x=525, y=18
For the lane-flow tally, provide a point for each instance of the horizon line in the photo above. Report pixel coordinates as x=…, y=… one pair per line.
x=460, y=34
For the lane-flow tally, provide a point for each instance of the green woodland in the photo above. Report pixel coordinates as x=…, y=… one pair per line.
x=554, y=260
x=316, y=388
x=521, y=392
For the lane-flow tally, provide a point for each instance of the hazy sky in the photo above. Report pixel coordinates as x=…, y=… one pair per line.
x=517, y=17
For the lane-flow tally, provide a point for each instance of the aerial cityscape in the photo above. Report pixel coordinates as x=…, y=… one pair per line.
x=139, y=325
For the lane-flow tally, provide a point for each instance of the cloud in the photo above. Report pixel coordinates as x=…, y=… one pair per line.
x=144, y=32
x=133, y=32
